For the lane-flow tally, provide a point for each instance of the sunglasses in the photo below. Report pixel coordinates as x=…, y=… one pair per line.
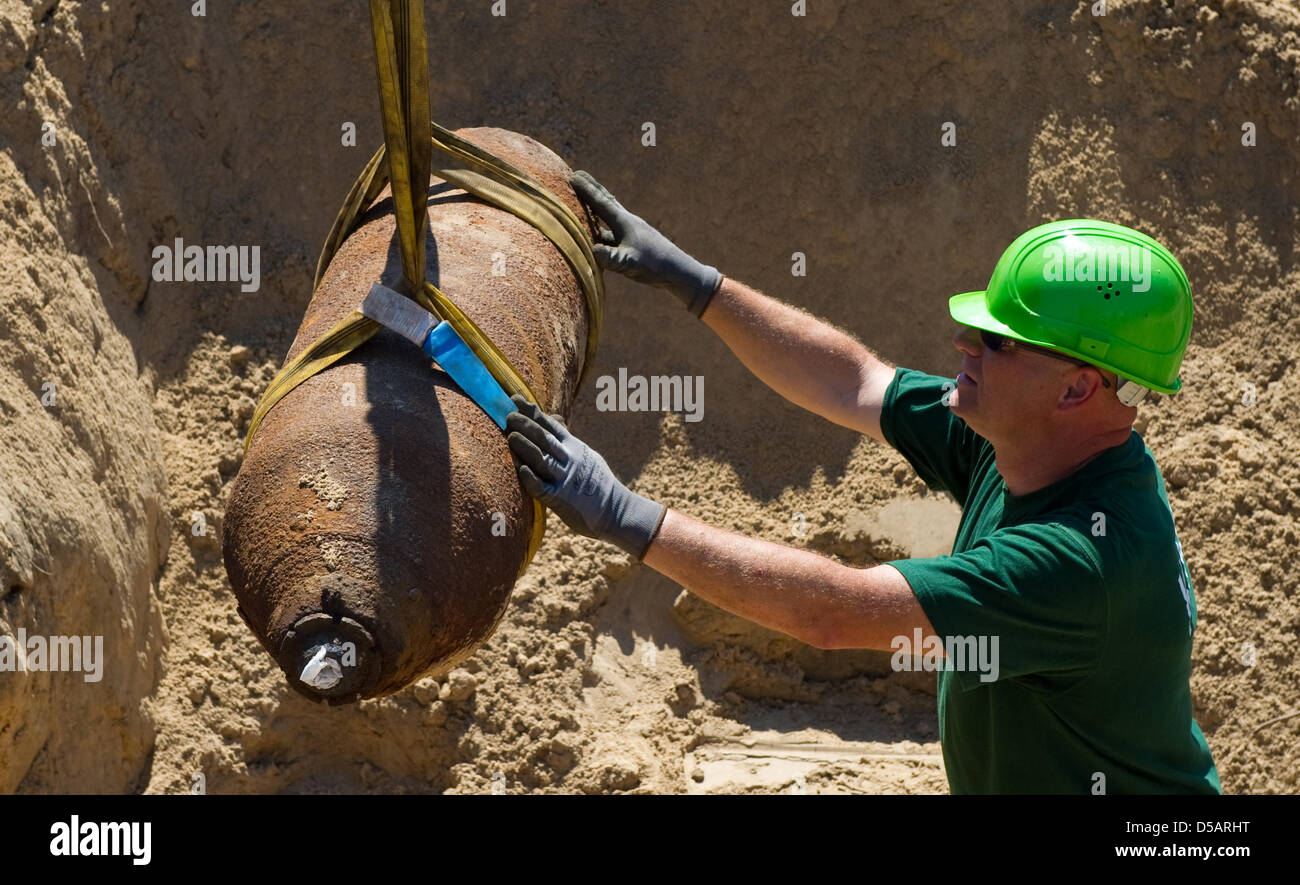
x=996, y=341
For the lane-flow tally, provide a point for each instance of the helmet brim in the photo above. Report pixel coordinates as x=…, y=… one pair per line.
x=969, y=309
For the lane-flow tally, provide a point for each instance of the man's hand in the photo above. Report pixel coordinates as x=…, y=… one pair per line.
x=636, y=249
x=571, y=478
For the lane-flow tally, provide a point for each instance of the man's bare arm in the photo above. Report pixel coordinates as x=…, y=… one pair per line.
x=809, y=362
x=802, y=594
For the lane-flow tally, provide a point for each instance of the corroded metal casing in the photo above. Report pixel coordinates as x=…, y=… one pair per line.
x=377, y=510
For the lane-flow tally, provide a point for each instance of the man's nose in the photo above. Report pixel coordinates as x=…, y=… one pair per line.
x=967, y=341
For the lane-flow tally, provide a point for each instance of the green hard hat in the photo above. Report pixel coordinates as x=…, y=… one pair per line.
x=1105, y=294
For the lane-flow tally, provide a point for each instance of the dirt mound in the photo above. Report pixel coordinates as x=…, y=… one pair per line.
x=774, y=134
x=83, y=523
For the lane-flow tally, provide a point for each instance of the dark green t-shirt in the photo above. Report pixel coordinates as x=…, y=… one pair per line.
x=1084, y=587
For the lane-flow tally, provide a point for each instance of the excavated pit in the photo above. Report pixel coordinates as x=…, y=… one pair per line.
x=827, y=135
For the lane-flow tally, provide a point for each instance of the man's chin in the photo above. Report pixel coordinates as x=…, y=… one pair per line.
x=962, y=403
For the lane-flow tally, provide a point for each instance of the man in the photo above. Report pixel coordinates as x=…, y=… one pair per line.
x=1066, y=563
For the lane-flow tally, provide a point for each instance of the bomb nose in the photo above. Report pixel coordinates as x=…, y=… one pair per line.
x=323, y=672
x=329, y=658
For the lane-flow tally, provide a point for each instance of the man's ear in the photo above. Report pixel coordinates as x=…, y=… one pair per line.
x=1084, y=384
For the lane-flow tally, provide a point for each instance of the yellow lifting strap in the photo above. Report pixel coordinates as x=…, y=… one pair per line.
x=401, y=64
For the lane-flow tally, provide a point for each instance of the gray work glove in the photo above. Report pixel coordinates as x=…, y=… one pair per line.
x=642, y=253
x=571, y=478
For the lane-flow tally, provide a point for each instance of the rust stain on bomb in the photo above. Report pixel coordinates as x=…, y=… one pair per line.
x=361, y=521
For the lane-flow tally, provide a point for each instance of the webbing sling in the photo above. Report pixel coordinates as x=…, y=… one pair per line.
x=401, y=65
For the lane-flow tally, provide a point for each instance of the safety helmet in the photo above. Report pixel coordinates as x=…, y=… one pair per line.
x=1105, y=294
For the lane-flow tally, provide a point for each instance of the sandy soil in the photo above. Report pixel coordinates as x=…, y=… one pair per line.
x=774, y=135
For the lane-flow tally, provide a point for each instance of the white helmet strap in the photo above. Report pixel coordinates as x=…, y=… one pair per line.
x=1130, y=393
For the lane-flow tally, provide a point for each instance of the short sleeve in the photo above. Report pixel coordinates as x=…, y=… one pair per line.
x=1038, y=588
x=915, y=420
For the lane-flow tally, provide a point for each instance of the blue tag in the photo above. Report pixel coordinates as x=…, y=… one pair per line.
x=468, y=371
